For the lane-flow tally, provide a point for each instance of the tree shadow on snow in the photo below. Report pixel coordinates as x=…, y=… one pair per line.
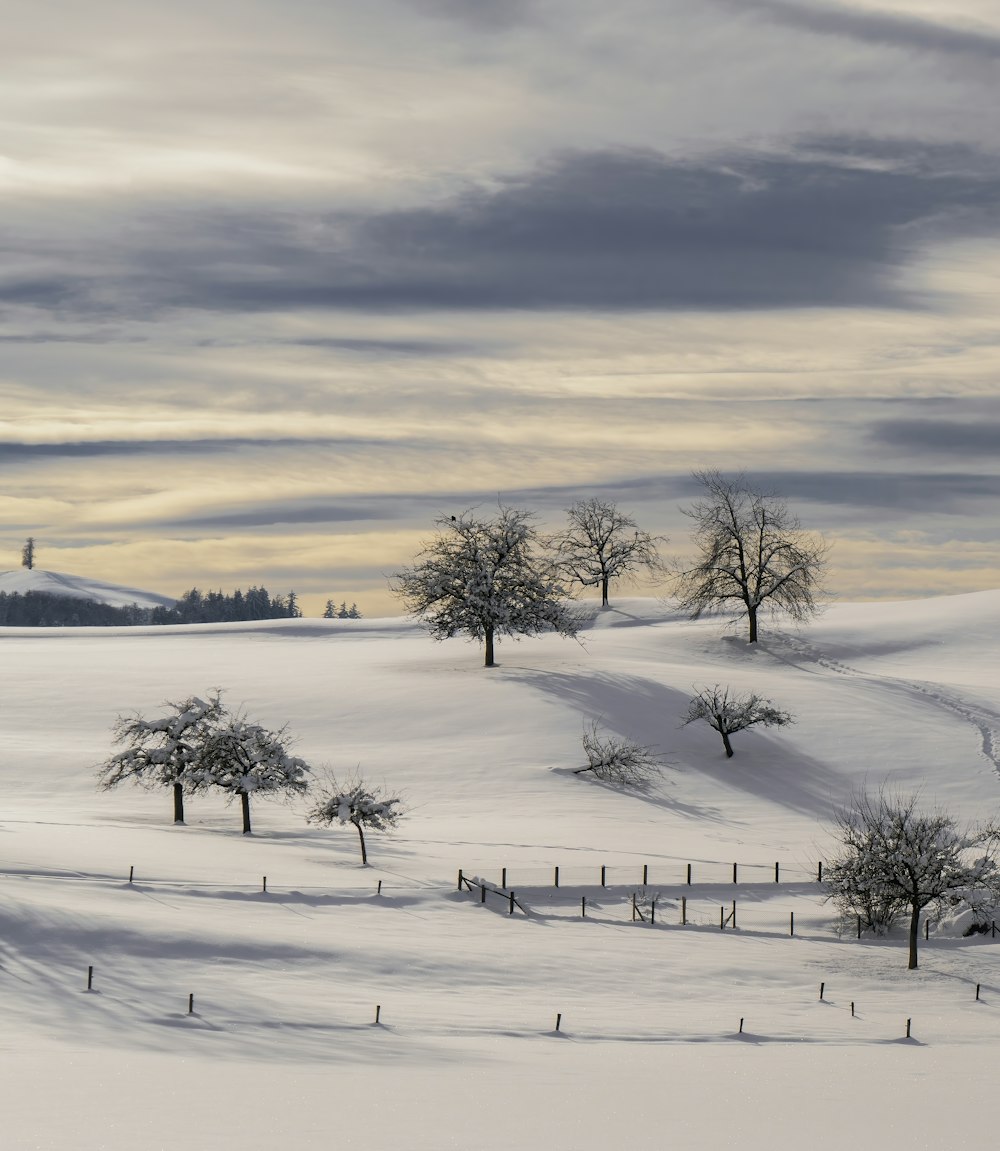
x=764, y=766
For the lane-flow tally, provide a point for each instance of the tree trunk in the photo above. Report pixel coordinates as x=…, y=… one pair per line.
x=914, y=934
x=604, y=591
x=361, y=836
x=178, y=803
x=728, y=746
x=752, y=614
x=489, y=647
x=245, y=804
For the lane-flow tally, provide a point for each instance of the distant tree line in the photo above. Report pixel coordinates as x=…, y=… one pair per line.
x=43, y=609
x=331, y=611
x=48, y=609
x=196, y=606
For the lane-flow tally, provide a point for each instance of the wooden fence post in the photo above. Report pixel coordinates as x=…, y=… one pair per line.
x=511, y=909
x=791, y=923
x=131, y=872
x=503, y=877
x=482, y=893
x=684, y=911
x=90, y=979
x=604, y=876
x=689, y=875
x=822, y=986
x=264, y=885
x=583, y=906
x=722, y=919
x=556, y=878
x=859, y=927
x=819, y=872
x=645, y=874
x=735, y=880
x=460, y=878
x=776, y=879
x=191, y=1004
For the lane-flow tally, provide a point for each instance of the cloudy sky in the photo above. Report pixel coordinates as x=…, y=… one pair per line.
x=282, y=282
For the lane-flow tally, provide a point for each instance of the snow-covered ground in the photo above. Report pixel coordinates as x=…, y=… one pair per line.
x=281, y=1049
x=22, y=580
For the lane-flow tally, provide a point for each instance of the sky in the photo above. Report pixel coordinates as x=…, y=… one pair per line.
x=281, y=284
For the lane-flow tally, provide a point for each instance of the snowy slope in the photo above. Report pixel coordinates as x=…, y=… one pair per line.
x=465, y=1055
x=59, y=583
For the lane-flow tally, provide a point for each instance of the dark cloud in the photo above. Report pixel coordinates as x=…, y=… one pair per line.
x=489, y=15
x=930, y=492
x=97, y=449
x=947, y=437
x=832, y=225
x=286, y=513
x=388, y=347
x=909, y=33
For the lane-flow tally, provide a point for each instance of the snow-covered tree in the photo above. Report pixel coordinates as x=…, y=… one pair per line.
x=245, y=759
x=729, y=712
x=896, y=858
x=28, y=553
x=602, y=543
x=356, y=802
x=753, y=555
x=485, y=578
x=163, y=752
x=617, y=759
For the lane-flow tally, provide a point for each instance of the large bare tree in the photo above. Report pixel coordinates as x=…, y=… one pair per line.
x=752, y=555
x=602, y=543
x=485, y=578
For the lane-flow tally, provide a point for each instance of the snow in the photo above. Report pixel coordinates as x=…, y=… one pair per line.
x=465, y=1055
x=23, y=580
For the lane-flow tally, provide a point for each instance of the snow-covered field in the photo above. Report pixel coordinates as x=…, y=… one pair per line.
x=281, y=1049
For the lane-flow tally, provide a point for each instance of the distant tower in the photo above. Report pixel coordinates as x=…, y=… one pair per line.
x=28, y=553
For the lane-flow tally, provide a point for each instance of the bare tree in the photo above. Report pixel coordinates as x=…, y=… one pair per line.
x=617, y=759
x=246, y=759
x=356, y=802
x=602, y=543
x=485, y=578
x=729, y=712
x=753, y=555
x=163, y=752
x=897, y=858
x=28, y=553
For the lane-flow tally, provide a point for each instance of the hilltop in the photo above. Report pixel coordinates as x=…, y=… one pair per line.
x=23, y=580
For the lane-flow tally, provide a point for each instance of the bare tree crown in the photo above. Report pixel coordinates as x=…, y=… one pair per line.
x=752, y=555
x=601, y=543
x=485, y=578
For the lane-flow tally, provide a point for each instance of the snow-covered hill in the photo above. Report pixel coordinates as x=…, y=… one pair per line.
x=286, y=982
x=24, y=579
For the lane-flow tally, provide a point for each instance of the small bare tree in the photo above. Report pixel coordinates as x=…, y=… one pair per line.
x=617, y=759
x=895, y=858
x=729, y=712
x=354, y=801
x=163, y=752
x=245, y=759
x=753, y=555
x=28, y=553
x=602, y=543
